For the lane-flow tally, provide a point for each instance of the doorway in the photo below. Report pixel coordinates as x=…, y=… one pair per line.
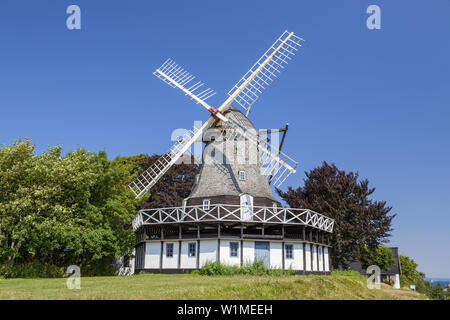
x=262, y=252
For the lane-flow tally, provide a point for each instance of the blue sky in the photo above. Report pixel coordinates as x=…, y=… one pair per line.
x=372, y=101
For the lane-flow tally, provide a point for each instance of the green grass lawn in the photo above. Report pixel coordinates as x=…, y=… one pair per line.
x=156, y=286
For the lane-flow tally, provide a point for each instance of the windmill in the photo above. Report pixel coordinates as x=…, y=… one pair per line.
x=230, y=215
x=276, y=165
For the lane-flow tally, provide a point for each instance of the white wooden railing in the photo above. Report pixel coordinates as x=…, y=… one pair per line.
x=232, y=213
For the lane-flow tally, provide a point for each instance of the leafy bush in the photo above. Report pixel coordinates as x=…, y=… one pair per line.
x=64, y=209
x=388, y=281
x=32, y=270
x=383, y=257
x=257, y=268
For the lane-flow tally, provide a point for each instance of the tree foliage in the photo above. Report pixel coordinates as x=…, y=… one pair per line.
x=63, y=210
x=359, y=220
x=173, y=187
x=412, y=276
x=382, y=256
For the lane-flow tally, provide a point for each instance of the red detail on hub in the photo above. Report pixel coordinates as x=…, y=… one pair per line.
x=214, y=111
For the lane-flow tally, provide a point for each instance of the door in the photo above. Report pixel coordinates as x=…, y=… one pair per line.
x=246, y=207
x=262, y=252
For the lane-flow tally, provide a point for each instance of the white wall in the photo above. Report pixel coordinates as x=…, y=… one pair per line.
x=225, y=257
x=249, y=252
x=314, y=257
x=152, y=255
x=397, y=281
x=186, y=261
x=308, y=257
x=327, y=263
x=276, y=255
x=320, y=253
x=172, y=262
x=208, y=251
x=297, y=262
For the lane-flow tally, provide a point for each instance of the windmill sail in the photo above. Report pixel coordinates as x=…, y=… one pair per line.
x=176, y=77
x=247, y=90
x=150, y=177
x=276, y=164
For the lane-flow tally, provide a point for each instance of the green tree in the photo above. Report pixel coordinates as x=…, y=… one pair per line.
x=359, y=220
x=410, y=274
x=383, y=257
x=62, y=210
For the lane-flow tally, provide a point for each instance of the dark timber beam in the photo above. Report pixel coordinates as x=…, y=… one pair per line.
x=242, y=252
x=162, y=249
x=179, y=254
x=304, y=257
x=198, y=246
x=218, y=250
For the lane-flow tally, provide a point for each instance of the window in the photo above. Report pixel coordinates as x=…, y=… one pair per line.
x=289, y=251
x=169, y=250
x=192, y=249
x=206, y=204
x=274, y=206
x=234, y=246
x=242, y=175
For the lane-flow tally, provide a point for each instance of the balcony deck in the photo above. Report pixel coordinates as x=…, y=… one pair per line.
x=225, y=213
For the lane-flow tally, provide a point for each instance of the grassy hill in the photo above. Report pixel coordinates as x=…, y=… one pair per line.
x=336, y=286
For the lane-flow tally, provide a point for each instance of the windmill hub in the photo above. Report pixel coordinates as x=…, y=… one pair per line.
x=231, y=214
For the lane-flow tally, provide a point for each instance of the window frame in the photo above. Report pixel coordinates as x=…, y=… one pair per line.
x=192, y=246
x=242, y=175
x=289, y=252
x=232, y=244
x=206, y=204
x=171, y=250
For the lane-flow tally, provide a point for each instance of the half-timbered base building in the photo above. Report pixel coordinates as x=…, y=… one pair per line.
x=232, y=217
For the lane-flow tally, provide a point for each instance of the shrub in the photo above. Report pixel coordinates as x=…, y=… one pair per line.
x=257, y=268
x=32, y=270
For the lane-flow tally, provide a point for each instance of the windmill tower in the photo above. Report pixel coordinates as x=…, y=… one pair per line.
x=231, y=215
